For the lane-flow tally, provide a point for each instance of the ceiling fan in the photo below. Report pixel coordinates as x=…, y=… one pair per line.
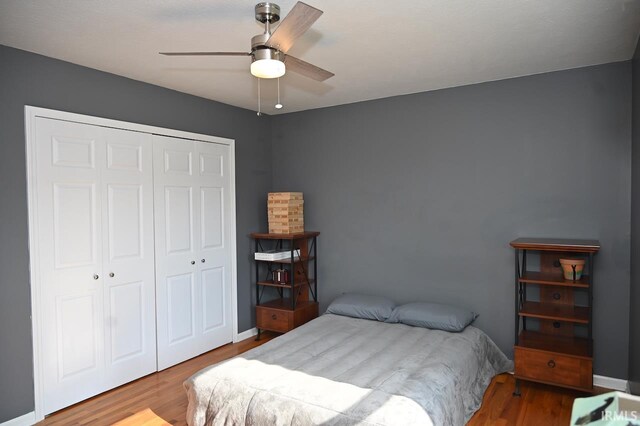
x=269, y=58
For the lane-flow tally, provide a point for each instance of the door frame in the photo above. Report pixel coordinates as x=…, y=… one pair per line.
x=31, y=113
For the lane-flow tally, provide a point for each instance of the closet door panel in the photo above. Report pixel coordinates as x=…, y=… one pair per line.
x=126, y=222
x=178, y=224
x=180, y=307
x=75, y=210
x=69, y=202
x=212, y=216
x=213, y=298
x=129, y=264
x=78, y=349
x=177, y=209
x=127, y=316
x=215, y=273
x=193, y=285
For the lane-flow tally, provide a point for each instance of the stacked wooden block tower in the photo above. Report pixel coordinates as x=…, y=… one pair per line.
x=286, y=212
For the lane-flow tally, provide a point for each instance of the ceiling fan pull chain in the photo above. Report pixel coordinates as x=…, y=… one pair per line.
x=259, y=112
x=278, y=105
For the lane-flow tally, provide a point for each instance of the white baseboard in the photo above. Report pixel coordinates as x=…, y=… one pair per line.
x=610, y=383
x=242, y=336
x=25, y=420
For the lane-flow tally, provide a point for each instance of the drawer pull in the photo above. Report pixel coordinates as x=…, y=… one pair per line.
x=551, y=363
x=274, y=316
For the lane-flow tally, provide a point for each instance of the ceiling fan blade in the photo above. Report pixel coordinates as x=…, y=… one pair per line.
x=306, y=69
x=205, y=53
x=296, y=23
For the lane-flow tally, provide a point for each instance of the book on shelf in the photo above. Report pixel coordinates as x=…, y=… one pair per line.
x=277, y=254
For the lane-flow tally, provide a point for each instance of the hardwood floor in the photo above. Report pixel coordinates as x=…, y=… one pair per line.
x=159, y=399
x=538, y=404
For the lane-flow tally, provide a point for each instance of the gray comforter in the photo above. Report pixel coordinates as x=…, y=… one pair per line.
x=337, y=370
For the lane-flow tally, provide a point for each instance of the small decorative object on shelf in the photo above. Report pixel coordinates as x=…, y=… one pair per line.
x=280, y=276
x=553, y=334
x=572, y=268
x=294, y=278
x=275, y=254
x=285, y=212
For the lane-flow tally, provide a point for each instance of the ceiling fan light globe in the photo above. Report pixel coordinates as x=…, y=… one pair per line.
x=268, y=68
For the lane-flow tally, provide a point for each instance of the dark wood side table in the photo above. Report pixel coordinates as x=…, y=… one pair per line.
x=297, y=299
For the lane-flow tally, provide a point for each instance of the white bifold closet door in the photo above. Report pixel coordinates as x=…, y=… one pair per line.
x=192, y=238
x=94, y=198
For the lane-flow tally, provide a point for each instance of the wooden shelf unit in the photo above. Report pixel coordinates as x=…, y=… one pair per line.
x=555, y=353
x=300, y=302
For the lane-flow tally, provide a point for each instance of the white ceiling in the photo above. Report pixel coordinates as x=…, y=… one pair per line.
x=376, y=48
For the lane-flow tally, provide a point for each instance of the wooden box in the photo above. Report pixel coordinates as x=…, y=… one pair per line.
x=285, y=212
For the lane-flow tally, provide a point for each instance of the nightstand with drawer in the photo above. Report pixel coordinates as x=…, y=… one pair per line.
x=553, y=314
x=296, y=296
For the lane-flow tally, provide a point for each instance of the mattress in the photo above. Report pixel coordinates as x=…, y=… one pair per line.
x=338, y=370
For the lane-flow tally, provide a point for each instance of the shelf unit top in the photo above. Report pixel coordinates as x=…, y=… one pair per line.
x=556, y=244
x=298, y=236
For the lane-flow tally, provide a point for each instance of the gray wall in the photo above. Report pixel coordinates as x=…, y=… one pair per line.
x=418, y=196
x=634, y=314
x=28, y=79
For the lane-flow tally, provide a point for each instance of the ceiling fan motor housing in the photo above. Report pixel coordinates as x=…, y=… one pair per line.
x=267, y=12
x=260, y=51
x=266, y=53
x=259, y=41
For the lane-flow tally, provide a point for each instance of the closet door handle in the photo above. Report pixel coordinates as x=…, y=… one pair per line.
x=111, y=274
x=96, y=276
x=202, y=261
x=193, y=262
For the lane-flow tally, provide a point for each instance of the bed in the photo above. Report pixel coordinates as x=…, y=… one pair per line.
x=337, y=370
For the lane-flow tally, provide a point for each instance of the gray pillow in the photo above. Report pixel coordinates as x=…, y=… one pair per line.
x=362, y=306
x=433, y=315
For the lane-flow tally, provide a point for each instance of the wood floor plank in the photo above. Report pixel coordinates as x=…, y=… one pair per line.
x=159, y=399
